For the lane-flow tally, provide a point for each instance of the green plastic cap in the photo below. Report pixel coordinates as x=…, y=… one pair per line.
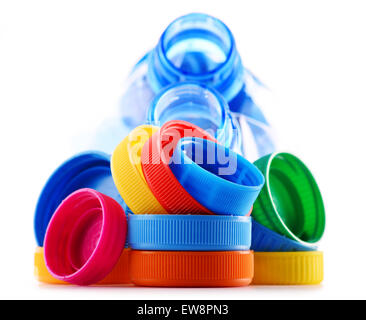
x=290, y=202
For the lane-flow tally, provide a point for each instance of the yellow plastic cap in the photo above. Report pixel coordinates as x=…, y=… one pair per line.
x=288, y=268
x=127, y=172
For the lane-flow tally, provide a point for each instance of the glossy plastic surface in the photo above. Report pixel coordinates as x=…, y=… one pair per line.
x=89, y=169
x=288, y=268
x=290, y=202
x=189, y=232
x=155, y=160
x=219, y=179
x=191, y=268
x=85, y=237
x=127, y=172
x=200, y=48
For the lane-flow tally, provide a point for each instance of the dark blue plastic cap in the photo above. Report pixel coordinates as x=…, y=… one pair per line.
x=266, y=240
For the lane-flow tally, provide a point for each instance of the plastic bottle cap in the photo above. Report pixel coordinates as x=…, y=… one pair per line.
x=191, y=268
x=119, y=275
x=288, y=268
x=189, y=232
x=264, y=239
x=218, y=178
x=85, y=237
x=155, y=159
x=127, y=173
x=85, y=170
x=290, y=203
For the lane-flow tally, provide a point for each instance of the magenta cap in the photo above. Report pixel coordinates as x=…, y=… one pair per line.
x=85, y=237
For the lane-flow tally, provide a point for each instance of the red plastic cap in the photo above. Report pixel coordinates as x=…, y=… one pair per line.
x=155, y=158
x=85, y=237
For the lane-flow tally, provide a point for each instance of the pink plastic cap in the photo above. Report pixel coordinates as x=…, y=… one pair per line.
x=85, y=237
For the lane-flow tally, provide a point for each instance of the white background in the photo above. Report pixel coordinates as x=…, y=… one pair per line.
x=62, y=67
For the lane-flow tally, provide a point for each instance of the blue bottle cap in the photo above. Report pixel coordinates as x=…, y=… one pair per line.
x=85, y=170
x=218, y=178
x=189, y=232
x=266, y=240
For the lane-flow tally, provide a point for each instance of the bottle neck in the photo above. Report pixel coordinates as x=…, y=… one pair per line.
x=199, y=48
x=197, y=104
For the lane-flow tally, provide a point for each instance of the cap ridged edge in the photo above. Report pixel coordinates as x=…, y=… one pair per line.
x=164, y=185
x=288, y=268
x=191, y=268
x=189, y=232
x=130, y=182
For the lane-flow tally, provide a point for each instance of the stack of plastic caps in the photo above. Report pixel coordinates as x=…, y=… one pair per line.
x=289, y=221
x=190, y=226
x=172, y=206
x=191, y=200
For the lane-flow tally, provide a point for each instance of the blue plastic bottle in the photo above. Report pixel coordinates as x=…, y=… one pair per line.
x=199, y=48
x=198, y=104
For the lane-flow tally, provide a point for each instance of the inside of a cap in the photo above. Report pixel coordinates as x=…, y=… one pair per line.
x=296, y=197
x=287, y=201
x=75, y=234
x=84, y=237
x=221, y=162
